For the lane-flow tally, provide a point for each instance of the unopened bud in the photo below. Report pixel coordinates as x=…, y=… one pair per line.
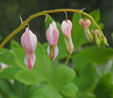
x=97, y=36
x=66, y=27
x=85, y=23
x=29, y=42
x=52, y=36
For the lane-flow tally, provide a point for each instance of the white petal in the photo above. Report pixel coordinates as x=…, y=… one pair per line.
x=71, y=45
x=26, y=59
x=48, y=50
x=56, y=52
x=88, y=35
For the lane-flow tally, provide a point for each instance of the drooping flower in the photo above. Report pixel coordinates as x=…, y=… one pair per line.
x=29, y=43
x=66, y=27
x=85, y=23
x=52, y=35
x=99, y=37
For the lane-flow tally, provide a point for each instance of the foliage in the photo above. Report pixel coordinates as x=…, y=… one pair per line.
x=54, y=79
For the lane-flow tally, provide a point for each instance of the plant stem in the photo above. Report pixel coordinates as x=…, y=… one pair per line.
x=23, y=24
x=67, y=59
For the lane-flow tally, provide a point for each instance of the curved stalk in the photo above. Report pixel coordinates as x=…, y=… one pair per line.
x=23, y=24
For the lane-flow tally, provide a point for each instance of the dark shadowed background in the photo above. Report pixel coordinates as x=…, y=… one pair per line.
x=10, y=10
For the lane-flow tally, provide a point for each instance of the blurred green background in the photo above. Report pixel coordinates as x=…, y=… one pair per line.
x=10, y=10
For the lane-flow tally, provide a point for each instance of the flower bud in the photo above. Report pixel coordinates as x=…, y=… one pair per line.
x=97, y=36
x=85, y=23
x=95, y=32
x=52, y=36
x=66, y=27
x=29, y=42
x=101, y=37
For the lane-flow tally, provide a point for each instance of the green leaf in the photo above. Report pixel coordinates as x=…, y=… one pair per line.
x=43, y=62
x=18, y=53
x=29, y=77
x=9, y=73
x=78, y=34
x=61, y=75
x=87, y=76
x=104, y=88
x=15, y=44
x=40, y=70
x=45, y=92
x=83, y=63
x=6, y=89
x=69, y=90
x=94, y=54
x=7, y=57
x=96, y=15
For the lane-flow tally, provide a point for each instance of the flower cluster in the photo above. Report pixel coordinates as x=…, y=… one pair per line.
x=29, y=42
x=52, y=35
x=95, y=35
x=29, y=39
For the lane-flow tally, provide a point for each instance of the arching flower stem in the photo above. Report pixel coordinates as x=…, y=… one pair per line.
x=24, y=23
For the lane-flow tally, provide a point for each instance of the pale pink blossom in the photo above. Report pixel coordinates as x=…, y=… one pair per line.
x=66, y=27
x=52, y=34
x=29, y=43
x=85, y=23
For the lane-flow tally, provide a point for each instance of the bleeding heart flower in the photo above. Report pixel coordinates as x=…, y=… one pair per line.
x=85, y=23
x=66, y=27
x=52, y=36
x=99, y=37
x=29, y=42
